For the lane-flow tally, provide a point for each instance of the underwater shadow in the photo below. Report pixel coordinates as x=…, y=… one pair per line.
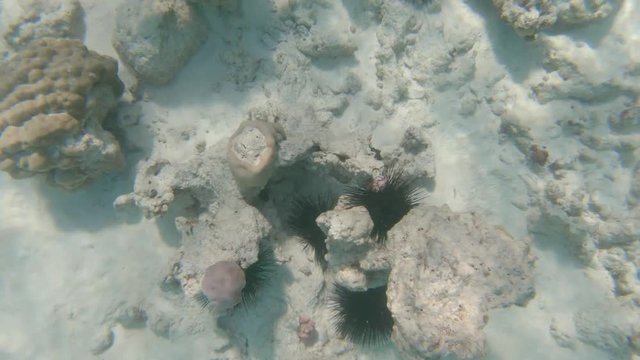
x=518, y=56
x=551, y=234
x=299, y=180
x=183, y=205
x=334, y=63
x=226, y=68
x=90, y=208
x=252, y=327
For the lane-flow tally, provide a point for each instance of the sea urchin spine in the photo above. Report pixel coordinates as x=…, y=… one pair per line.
x=302, y=222
x=388, y=197
x=362, y=317
x=258, y=275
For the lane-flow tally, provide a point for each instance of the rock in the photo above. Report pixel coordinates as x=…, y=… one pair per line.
x=230, y=233
x=448, y=270
x=353, y=255
x=156, y=38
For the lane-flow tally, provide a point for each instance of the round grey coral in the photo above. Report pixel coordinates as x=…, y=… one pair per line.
x=222, y=284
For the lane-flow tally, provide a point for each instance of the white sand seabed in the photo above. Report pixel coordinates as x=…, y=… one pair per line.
x=69, y=259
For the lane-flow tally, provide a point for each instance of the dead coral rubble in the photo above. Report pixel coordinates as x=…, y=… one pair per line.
x=449, y=270
x=527, y=17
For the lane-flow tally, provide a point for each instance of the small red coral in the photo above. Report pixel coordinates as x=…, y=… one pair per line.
x=307, y=332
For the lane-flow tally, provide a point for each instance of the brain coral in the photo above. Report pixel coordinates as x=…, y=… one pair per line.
x=55, y=94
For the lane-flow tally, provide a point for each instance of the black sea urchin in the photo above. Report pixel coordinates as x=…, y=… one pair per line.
x=258, y=275
x=362, y=317
x=388, y=197
x=302, y=222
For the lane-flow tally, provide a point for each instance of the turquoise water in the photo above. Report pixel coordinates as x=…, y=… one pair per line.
x=144, y=141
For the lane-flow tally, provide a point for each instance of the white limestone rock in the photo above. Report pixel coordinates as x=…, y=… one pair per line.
x=198, y=182
x=231, y=233
x=155, y=38
x=447, y=67
x=353, y=256
x=449, y=269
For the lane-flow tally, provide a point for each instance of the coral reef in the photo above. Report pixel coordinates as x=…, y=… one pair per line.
x=56, y=94
x=155, y=38
x=359, y=84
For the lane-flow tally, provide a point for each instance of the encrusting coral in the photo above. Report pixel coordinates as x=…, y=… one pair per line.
x=55, y=95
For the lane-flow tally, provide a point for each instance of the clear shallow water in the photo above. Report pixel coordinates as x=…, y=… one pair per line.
x=81, y=279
